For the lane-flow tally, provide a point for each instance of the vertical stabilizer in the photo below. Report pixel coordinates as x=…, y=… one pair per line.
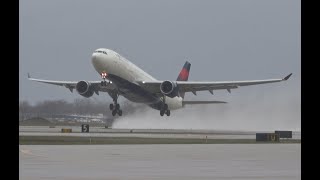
x=184, y=74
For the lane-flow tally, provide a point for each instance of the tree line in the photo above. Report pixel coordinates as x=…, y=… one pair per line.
x=83, y=106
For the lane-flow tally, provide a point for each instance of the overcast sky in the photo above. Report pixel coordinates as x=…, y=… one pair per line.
x=223, y=40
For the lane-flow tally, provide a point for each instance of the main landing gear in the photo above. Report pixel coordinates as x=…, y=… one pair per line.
x=115, y=107
x=164, y=109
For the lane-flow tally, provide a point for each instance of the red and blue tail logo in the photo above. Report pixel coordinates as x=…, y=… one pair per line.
x=184, y=73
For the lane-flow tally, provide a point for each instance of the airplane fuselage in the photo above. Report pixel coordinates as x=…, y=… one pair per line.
x=124, y=74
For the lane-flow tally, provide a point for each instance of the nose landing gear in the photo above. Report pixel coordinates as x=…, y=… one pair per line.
x=104, y=82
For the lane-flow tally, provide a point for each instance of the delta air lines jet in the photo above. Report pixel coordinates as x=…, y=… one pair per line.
x=122, y=77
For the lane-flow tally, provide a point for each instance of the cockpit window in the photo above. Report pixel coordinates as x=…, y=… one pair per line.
x=101, y=52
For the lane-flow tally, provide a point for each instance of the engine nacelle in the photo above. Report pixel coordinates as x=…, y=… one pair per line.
x=169, y=89
x=84, y=88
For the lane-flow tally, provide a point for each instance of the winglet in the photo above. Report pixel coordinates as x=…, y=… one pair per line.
x=29, y=76
x=287, y=77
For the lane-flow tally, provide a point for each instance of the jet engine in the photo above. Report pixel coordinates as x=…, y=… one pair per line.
x=169, y=89
x=84, y=88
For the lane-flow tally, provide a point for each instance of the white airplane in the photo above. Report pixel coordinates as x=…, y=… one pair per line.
x=122, y=77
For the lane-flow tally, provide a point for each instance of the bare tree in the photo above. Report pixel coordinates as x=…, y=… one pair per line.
x=80, y=106
x=24, y=108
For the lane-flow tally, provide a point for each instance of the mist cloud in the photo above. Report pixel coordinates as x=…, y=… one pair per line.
x=255, y=114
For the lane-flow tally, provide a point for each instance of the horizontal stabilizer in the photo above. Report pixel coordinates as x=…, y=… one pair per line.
x=202, y=102
x=287, y=77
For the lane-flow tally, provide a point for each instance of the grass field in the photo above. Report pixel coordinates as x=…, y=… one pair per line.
x=60, y=140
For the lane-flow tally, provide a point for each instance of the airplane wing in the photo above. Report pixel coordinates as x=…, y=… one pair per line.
x=72, y=84
x=194, y=86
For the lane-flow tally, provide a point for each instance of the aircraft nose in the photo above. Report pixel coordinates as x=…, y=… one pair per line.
x=94, y=58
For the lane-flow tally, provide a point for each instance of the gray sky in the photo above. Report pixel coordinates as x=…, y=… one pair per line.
x=223, y=40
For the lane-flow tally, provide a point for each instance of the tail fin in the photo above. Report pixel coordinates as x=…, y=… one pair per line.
x=184, y=75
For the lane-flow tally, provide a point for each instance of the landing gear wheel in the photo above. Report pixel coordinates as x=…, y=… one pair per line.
x=114, y=112
x=161, y=112
x=168, y=113
x=165, y=107
x=120, y=112
x=117, y=106
x=103, y=83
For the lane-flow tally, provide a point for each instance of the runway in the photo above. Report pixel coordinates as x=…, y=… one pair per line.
x=153, y=154
x=210, y=161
